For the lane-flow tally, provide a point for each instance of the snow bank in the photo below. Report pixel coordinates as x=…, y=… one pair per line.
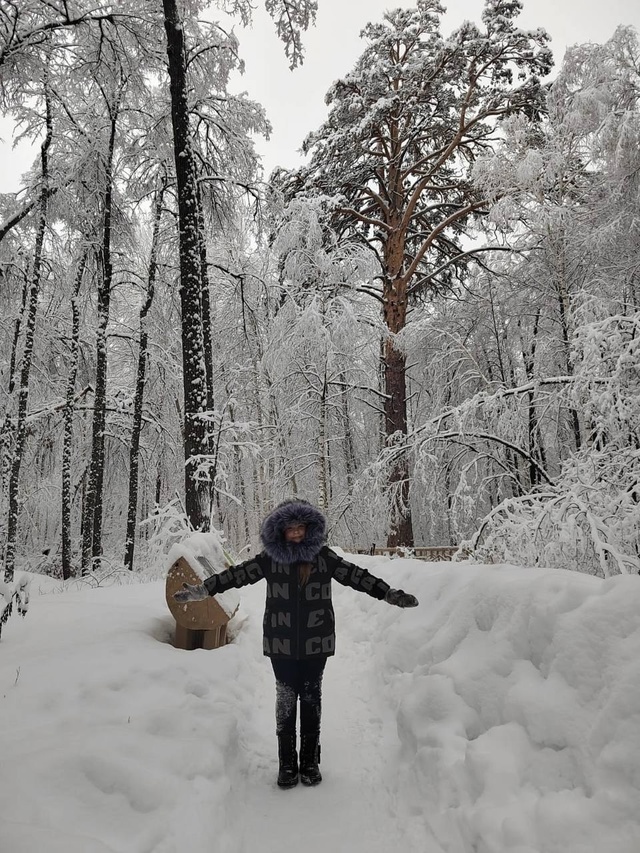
x=113, y=741
x=518, y=707
x=515, y=695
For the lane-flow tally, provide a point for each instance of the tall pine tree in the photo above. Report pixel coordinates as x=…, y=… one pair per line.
x=396, y=153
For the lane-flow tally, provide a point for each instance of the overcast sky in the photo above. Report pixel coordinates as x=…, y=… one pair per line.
x=294, y=100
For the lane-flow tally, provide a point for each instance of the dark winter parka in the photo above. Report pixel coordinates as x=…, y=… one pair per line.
x=298, y=621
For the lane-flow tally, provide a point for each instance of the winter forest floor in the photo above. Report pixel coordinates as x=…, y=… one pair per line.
x=500, y=716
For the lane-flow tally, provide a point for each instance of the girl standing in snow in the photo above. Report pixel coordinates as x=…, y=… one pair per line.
x=298, y=626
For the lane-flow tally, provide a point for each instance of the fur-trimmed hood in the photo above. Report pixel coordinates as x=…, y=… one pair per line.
x=285, y=514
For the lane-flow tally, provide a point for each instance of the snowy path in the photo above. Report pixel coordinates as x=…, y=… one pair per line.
x=355, y=806
x=501, y=716
x=142, y=748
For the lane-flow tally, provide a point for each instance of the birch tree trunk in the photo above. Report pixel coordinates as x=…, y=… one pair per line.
x=6, y=436
x=564, y=312
x=197, y=489
x=69, y=409
x=92, y=531
x=16, y=337
x=350, y=463
x=27, y=353
x=323, y=472
x=207, y=340
x=536, y=443
x=141, y=377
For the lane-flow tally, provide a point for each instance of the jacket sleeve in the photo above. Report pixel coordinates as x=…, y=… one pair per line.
x=251, y=571
x=356, y=577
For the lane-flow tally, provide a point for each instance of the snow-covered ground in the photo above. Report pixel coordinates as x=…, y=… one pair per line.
x=500, y=716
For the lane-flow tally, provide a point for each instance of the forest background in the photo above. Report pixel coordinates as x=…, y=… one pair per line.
x=430, y=327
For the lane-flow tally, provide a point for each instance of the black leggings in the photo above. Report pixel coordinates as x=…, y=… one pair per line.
x=298, y=679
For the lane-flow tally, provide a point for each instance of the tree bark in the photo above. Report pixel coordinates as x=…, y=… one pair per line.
x=27, y=354
x=66, y=501
x=395, y=411
x=563, y=310
x=350, y=463
x=207, y=339
x=323, y=446
x=141, y=378
x=92, y=532
x=396, y=303
x=197, y=487
x=536, y=443
x=7, y=434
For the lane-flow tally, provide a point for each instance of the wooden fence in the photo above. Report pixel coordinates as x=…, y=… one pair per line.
x=431, y=554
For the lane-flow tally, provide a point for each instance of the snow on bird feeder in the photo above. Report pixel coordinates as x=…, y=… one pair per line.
x=199, y=624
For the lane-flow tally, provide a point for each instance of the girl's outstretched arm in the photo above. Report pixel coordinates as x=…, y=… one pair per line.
x=251, y=571
x=361, y=580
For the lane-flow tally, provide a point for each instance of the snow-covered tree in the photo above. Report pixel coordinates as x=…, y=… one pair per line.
x=103, y=162
x=404, y=128
x=567, y=316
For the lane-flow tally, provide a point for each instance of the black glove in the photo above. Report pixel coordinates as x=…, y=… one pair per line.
x=191, y=592
x=400, y=598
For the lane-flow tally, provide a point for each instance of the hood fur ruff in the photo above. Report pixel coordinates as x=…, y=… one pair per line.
x=284, y=515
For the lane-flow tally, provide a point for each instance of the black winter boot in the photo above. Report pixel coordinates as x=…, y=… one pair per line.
x=288, y=758
x=309, y=760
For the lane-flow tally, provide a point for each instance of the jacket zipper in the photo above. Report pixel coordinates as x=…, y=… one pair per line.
x=298, y=591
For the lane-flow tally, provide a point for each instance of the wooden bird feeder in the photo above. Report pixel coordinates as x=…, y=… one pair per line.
x=199, y=624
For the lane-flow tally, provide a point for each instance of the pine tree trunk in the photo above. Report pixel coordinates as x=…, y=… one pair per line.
x=197, y=491
x=27, y=353
x=395, y=411
x=92, y=533
x=141, y=377
x=67, y=557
